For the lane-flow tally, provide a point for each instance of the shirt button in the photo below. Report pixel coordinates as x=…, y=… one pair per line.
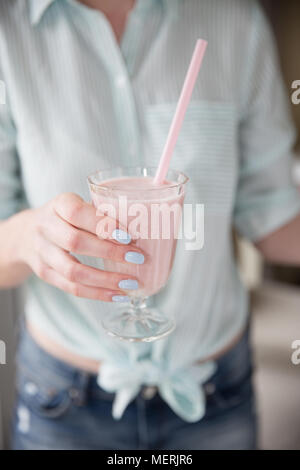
x=132, y=150
x=120, y=81
x=149, y=392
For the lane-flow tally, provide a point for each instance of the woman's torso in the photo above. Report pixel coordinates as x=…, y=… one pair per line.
x=79, y=104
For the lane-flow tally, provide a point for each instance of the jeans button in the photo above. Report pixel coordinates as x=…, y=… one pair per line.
x=148, y=392
x=74, y=393
x=76, y=396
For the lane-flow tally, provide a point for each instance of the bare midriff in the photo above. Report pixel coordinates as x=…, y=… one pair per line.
x=91, y=365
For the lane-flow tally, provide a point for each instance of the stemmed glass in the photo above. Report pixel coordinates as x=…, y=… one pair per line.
x=151, y=215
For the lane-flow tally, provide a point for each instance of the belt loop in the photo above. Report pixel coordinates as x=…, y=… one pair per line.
x=79, y=390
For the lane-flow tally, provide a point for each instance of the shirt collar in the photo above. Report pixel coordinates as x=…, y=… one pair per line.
x=172, y=6
x=37, y=8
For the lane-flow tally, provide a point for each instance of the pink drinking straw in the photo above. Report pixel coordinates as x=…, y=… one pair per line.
x=181, y=108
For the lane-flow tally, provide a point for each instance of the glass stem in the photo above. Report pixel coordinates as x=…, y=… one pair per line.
x=138, y=303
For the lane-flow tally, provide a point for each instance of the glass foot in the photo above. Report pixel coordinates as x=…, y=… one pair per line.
x=138, y=324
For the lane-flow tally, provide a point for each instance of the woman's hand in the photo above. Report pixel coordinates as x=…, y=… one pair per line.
x=69, y=224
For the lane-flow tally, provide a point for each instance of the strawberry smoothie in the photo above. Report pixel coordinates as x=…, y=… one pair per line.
x=151, y=215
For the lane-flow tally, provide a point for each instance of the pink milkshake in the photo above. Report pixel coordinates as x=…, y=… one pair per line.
x=128, y=200
x=151, y=215
x=156, y=195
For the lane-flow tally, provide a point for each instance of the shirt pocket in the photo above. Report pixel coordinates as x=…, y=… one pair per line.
x=232, y=384
x=206, y=149
x=46, y=397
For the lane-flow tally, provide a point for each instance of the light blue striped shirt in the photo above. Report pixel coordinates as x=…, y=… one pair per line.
x=76, y=102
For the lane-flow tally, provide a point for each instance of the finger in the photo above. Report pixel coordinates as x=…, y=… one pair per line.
x=110, y=229
x=54, y=278
x=73, y=209
x=74, y=271
x=76, y=211
x=71, y=239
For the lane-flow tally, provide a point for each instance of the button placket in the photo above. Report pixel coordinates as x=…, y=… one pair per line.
x=124, y=101
x=123, y=97
x=126, y=115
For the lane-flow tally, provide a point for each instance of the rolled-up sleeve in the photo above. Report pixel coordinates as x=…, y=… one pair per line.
x=266, y=197
x=11, y=192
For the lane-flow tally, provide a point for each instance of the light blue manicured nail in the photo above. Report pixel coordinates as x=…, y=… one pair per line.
x=129, y=284
x=120, y=298
x=121, y=236
x=134, y=257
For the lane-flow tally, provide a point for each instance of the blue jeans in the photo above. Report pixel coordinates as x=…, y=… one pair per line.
x=61, y=407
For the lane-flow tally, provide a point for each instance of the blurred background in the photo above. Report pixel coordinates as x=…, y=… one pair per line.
x=274, y=289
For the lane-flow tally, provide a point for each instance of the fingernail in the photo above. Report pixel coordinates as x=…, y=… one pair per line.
x=129, y=284
x=120, y=298
x=134, y=257
x=121, y=236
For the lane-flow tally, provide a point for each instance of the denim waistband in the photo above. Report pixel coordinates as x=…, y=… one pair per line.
x=36, y=362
